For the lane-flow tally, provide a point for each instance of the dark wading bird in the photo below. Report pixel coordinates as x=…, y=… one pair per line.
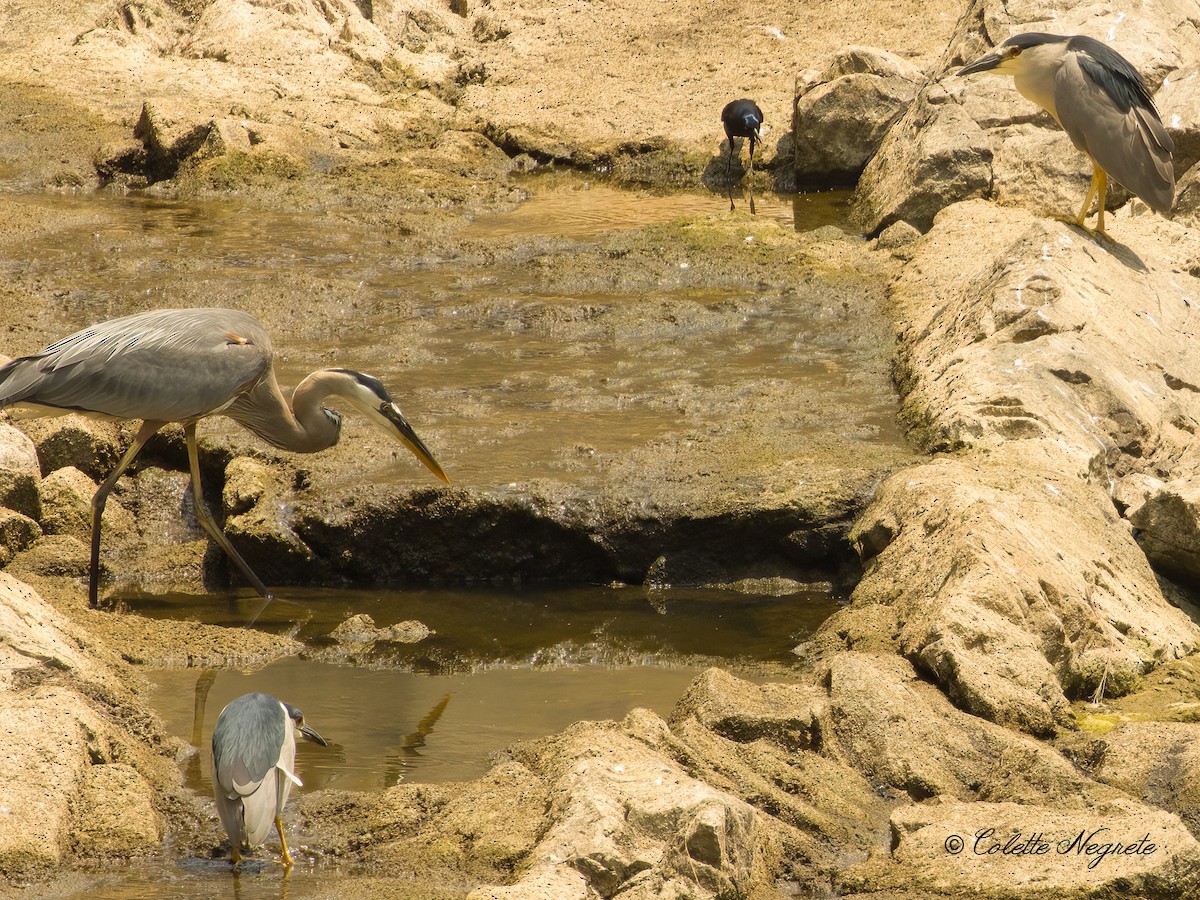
x=1102, y=104
x=742, y=118
x=181, y=365
x=253, y=762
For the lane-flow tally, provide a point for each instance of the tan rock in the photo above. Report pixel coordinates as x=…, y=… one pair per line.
x=1157, y=762
x=67, y=508
x=900, y=731
x=1168, y=527
x=840, y=119
x=90, y=445
x=116, y=815
x=934, y=155
x=1002, y=850
x=258, y=505
x=1178, y=102
x=20, y=475
x=987, y=587
x=624, y=817
x=17, y=532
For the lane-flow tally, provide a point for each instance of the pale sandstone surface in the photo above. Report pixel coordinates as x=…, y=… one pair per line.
x=1051, y=372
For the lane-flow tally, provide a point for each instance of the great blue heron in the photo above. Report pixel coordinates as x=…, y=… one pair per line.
x=742, y=118
x=1103, y=105
x=254, y=758
x=180, y=365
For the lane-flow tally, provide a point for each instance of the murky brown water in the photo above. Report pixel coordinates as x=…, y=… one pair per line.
x=500, y=666
x=585, y=209
x=491, y=363
x=489, y=369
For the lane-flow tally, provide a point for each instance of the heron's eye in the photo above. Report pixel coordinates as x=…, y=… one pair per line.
x=1014, y=51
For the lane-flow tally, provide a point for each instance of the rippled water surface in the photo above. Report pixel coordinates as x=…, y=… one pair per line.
x=499, y=666
x=491, y=374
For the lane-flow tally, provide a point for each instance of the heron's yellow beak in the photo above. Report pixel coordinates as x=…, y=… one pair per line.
x=404, y=431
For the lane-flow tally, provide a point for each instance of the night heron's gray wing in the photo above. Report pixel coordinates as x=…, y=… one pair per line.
x=251, y=734
x=166, y=365
x=1106, y=109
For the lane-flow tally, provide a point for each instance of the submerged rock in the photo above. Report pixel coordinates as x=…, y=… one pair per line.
x=360, y=630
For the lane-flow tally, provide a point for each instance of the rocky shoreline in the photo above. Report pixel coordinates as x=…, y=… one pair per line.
x=1005, y=708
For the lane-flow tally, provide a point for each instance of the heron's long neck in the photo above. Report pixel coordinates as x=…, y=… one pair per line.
x=1037, y=83
x=301, y=426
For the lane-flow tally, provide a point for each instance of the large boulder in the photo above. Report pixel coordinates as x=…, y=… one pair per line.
x=965, y=560
x=91, y=445
x=935, y=155
x=20, y=474
x=1051, y=389
x=841, y=116
x=1168, y=526
x=76, y=766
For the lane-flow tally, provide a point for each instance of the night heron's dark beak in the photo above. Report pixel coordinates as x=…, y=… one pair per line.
x=990, y=61
x=391, y=412
x=310, y=734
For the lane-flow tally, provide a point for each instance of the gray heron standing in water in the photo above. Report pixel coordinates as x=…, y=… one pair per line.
x=181, y=365
x=254, y=761
x=1104, y=106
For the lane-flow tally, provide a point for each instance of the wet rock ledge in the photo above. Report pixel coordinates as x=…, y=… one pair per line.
x=1016, y=668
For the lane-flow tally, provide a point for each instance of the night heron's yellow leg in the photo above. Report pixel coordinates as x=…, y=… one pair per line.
x=235, y=855
x=1098, y=187
x=287, y=857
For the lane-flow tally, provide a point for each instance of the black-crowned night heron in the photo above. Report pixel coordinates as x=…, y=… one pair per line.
x=254, y=755
x=1103, y=105
x=742, y=118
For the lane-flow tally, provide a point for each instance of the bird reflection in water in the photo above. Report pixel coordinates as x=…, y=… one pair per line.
x=403, y=759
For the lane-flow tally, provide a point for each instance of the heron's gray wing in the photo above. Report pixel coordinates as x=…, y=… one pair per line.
x=1107, y=113
x=166, y=365
x=246, y=743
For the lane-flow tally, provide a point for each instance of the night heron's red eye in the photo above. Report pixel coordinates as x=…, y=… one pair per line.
x=1015, y=51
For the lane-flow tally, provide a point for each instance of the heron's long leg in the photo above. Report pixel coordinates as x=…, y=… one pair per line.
x=728, y=169
x=205, y=517
x=100, y=498
x=1099, y=186
x=287, y=857
x=750, y=183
